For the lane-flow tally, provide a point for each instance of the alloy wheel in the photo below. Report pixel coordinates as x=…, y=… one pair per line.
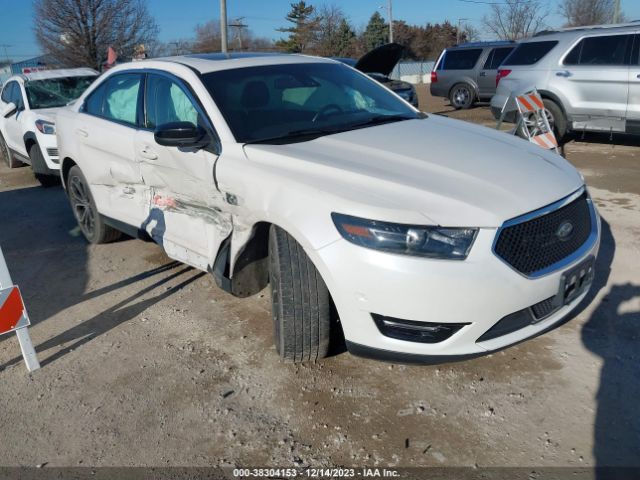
x=82, y=207
x=461, y=96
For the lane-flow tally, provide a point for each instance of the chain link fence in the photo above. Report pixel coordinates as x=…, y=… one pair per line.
x=413, y=72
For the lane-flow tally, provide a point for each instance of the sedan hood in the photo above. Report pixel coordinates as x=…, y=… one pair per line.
x=447, y=172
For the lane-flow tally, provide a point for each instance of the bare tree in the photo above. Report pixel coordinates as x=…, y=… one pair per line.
x=208, y=37
x=515, y=19
x=79, y=32
x=587, y=12
x=469, y=32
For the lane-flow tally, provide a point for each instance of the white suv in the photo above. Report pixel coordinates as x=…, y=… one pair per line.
x=429, y=238
x=28, y=107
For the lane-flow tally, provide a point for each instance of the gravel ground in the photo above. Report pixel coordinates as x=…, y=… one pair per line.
x=145, y=362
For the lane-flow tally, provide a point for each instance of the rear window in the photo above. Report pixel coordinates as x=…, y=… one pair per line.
x=463, y=59
x=529, y=53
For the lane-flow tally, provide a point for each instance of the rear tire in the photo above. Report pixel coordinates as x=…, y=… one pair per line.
x=84, y=209
x=5, y=155
x=300, y=301
x=557, y=121
x=462, y=96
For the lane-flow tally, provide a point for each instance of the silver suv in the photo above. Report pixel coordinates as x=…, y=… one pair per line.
x=589, y=78
x=466, y=73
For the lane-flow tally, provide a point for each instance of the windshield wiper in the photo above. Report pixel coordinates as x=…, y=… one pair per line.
x=380, y=119
x=293, y=135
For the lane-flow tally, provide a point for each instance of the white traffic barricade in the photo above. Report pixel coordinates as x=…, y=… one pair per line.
x=14, y=317
x=532, y=122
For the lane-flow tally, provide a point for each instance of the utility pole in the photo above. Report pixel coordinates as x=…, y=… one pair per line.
x=389, y=8
x=223, y=25
x=390, y=21
x=459, y=29
x=616, y=12
x=5, y=46
x=238, y=25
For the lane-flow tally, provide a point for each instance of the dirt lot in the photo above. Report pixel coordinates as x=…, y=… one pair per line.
x=145, y=362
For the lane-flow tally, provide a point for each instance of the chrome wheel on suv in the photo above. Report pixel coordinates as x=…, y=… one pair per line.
x=462, y=96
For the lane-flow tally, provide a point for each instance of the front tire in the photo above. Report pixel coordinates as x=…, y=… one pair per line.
x=462, y=96
x=46, y=177
x=84, y=209
x=300, y=301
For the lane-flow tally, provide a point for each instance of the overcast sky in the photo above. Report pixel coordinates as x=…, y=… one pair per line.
x=177, y=18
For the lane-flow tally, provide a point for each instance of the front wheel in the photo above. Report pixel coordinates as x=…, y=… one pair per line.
x=84, y=209
x=46, y=177
x=300, y=301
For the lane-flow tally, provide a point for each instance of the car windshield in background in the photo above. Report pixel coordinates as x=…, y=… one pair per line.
x=529, y=53
x=56, y=92
x=297, y=102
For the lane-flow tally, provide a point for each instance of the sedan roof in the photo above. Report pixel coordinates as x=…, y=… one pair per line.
x=210, y=62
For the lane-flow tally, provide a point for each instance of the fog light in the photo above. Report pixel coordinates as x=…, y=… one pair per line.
x=412, y=331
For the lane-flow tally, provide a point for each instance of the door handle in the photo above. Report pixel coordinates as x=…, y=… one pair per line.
x=563, y=73
x=149, y=154
x=82, y=133
x=638, y=76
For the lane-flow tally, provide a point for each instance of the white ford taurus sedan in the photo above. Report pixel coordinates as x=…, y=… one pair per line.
x=419, y=237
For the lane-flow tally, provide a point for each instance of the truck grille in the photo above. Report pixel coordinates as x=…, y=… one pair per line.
x=536, y=244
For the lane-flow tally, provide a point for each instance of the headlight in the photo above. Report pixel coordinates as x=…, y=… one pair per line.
x=420, y=241
x=48, y=128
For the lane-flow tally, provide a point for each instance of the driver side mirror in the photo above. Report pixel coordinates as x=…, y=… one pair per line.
x=9, y=110
x=181, y=134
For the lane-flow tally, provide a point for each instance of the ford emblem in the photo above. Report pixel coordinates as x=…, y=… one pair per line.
x=564, y=231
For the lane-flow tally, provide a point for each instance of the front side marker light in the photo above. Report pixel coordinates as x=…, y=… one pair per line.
x=416, y=240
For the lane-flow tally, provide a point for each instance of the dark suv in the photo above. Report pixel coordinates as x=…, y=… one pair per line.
x=467, y=73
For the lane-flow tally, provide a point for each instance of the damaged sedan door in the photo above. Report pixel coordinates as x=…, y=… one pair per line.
x=105, y=131
x=186, y=213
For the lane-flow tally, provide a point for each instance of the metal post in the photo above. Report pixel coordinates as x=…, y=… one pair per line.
x=223, y=25
x=28, y=352
x=390, y=21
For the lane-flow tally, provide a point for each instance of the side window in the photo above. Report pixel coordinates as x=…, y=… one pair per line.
x=489, y=60
x=121, y=98
x=166, y=101
x=463, y=59
x=499, y=54
x=601, y=50
x=94, y=102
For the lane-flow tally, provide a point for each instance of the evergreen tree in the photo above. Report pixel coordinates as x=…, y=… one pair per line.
x=345, y=39
x=377, y=32
x=303, y=28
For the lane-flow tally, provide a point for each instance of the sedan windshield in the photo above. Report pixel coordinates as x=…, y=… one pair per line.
x=297, y=102
x=56, y=92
